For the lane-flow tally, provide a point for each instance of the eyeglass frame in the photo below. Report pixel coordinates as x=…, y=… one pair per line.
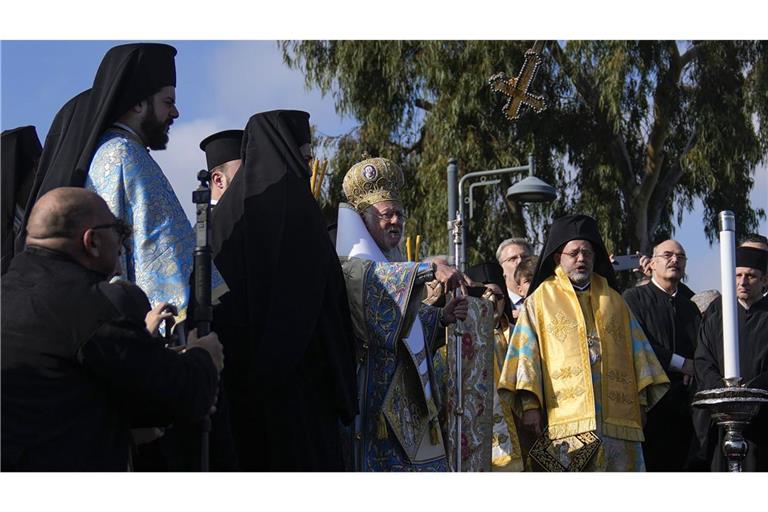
x=390, y=215
x=521, y=257
x=587, y=253
x=122, y=228
x=680, y=257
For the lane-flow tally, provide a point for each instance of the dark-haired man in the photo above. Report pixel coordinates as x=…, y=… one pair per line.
x=101, y=139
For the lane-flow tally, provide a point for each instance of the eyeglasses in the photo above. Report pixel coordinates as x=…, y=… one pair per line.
x=668, y=256
x=389, y=215
x=587, y=253
x=518, y=257
x=122, y=228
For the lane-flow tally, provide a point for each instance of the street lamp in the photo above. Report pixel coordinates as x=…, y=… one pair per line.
x=527, y=190
x=531, y=190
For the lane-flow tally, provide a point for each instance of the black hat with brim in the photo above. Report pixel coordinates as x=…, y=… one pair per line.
x=222, y=147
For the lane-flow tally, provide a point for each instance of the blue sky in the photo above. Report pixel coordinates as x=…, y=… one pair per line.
x=220, y=85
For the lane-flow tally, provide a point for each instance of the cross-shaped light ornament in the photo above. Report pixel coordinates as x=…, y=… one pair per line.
x=516, y=89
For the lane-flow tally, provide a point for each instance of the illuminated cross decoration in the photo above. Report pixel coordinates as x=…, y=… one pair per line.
x=517, y=88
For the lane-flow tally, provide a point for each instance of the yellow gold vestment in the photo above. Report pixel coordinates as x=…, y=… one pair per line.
x=591, y=372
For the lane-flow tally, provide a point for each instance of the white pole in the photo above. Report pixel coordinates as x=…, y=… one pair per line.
x=728, y=288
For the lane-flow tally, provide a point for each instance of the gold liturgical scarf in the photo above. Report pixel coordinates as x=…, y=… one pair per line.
x=567, y=376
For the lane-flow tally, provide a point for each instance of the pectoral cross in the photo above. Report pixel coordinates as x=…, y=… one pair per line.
x=516, y=89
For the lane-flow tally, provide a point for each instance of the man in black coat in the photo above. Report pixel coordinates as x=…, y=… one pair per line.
x=79, y=367
x=671, y=321
x=752, y=317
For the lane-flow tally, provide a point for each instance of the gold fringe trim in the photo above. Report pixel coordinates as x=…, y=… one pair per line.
x=433, y=437
x=626, y=433
x=381, y=427
x=572, y=428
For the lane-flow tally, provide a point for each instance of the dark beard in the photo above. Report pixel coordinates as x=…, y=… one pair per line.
x=153, y=130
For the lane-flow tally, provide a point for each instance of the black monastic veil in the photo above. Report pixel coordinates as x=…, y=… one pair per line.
x=285, y=324
x=127, y=75
x=20, y=151
x=562, y=231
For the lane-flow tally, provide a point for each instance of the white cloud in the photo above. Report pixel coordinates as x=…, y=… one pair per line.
x=251, y=77
x=183, y=158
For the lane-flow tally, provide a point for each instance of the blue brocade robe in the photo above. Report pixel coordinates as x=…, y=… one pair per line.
x=159, y=255
x=395, y=413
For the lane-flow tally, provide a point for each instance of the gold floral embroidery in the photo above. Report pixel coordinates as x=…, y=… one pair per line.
x=622, y=398
x=567, y=372
x=569, y=393
x=617, y=376
x=615, y=330
x=560, y=325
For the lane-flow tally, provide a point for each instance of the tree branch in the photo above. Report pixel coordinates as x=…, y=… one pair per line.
x=585, y=89
x=663, y=103
x=416, y=146
x=666, y=185
x=691, y=54
x=423, y=104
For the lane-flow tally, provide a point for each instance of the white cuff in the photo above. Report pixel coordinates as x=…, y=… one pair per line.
x=677, y=362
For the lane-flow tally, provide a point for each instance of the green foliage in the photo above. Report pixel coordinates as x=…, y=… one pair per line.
x=634, y=131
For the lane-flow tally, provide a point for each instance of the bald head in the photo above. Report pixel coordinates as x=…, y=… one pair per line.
x=63, y=213
x=75, y=221
x=668, y=264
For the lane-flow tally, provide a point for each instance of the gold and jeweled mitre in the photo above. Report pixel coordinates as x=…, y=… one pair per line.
x=371, y=181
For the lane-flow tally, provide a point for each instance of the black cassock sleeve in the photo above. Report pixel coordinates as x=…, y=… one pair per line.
x=641, y=307
x=156, y=385
x=707, y=358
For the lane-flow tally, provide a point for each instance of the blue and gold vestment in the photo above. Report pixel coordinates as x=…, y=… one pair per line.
x=159, y=255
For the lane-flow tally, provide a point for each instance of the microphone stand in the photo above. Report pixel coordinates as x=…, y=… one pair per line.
x=202, y=296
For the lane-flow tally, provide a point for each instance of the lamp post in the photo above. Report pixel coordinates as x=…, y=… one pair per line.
x=528, y=190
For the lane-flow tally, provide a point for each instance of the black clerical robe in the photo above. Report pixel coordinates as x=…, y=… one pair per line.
x=671, y=325
x=285, y=323
x=79, y=369
x=753, y=365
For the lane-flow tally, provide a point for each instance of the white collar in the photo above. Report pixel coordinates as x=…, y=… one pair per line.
x=581, y=288
x=515, y=297
x=662, y=289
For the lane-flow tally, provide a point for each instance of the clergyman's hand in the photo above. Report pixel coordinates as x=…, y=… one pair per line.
x=688, y=371
x=457, y=308
x=449, y=276
x=532, y=421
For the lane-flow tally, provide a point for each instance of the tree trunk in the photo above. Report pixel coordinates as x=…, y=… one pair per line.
x=517, y=219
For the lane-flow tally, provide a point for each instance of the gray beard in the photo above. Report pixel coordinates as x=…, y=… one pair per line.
x=582, y=280
x=393, y=255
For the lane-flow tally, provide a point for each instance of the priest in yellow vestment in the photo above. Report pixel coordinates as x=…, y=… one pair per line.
x=579, y=368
